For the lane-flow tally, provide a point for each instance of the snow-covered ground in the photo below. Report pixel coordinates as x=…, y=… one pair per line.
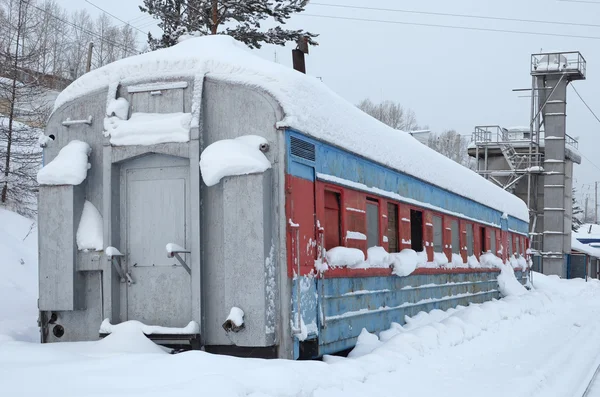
x=538, y=343
x=18, y=278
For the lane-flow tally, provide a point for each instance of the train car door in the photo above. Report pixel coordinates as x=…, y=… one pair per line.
x=156, y=209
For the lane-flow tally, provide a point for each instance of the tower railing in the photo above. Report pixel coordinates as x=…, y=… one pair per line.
x=569, y=62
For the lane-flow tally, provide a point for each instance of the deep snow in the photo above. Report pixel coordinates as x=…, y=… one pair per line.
x=18, y=277
x=531, y=343
x=541, y=343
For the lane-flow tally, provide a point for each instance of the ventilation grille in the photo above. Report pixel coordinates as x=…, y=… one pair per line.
x=304, y=150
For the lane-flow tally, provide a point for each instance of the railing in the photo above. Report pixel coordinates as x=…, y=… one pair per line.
x=569, y=140
x=497, y=134
x=494, y=134
x=558, y=62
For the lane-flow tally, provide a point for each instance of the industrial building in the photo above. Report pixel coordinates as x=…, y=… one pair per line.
x=536, y=162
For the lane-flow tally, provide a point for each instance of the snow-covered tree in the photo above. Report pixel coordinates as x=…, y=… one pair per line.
x=577, y=213
x=240, y=19
x=390, y=113
x=21, y=99
x=452, y=145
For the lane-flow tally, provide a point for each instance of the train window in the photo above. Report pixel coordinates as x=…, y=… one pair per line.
x=455, y=237
x=493, y=241
x=416, y=230
x=438, y=240
x=332, y=224
x=392, y=231
x=518, y=246
x=372, y=223
x=510, y=245
x=469, y=239
x=483, y=242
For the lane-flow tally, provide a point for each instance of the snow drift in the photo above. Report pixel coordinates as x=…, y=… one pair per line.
x=229, y=157
x=18, y=277
x=69, y=167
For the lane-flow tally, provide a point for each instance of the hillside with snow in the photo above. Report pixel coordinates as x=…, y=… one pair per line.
x=18, y=277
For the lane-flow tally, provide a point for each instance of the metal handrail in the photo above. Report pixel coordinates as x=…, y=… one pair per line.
x=562, y=62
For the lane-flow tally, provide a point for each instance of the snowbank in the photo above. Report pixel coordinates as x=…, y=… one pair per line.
x=107, y=328
x=148, y=128
x=69, y=167
x=517, y=346
x=228, y=157
x=377, y=257
x=405, y=262
x=343, y=256
x=90, y=229
x=440, y=259
x=309, y=106
x=18, y=278
x=508, y=285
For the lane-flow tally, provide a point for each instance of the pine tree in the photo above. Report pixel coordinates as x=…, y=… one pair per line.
x=240, y=19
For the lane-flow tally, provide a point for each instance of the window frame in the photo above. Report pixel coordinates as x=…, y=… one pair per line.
x=340, y=193
x=455, y=249
x=370, y=200
x=397, y=228
x=435, y=216
x=470, y=242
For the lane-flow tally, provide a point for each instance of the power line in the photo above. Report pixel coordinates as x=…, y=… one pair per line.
x=453, y=27
x=458, y=15
x=118, y=19
x=585, y=103
x=590, y=161
x=580, y=1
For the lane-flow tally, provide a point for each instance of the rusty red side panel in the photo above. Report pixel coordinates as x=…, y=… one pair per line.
x=462, y=230
x=300, y=209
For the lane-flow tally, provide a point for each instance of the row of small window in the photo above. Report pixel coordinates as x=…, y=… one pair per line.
x=333, y=229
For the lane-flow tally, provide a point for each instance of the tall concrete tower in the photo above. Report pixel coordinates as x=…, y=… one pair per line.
x=552, y=72
x=535, y=162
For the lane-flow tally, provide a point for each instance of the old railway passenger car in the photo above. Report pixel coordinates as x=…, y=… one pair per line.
x=141, y=233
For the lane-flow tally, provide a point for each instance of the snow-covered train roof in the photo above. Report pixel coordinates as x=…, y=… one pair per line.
x=309, y=106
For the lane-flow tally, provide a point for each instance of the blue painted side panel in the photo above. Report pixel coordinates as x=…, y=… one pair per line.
x=335, y=310
x=518, y=226
x=504, y=224
x=586, y=240
x=309, y=307
x=351, y=304
x=339, y=163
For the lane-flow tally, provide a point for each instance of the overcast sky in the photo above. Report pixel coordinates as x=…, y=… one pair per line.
x=451, y=78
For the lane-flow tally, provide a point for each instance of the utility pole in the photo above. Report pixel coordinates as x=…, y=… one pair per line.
x=88, y=65
x=596, y=204
x=585, y=210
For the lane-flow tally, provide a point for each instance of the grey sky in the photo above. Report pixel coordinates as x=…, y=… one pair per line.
x=451, y=78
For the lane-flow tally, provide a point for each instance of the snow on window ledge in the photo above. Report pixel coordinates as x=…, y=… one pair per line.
x=69, y=167
x=148, y=128
x=230, y=157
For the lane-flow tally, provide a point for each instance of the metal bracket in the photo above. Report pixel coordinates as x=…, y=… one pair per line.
x=69, y=122
x=175, y=254
x=115, y=259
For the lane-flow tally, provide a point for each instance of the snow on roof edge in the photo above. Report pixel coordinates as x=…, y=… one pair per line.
x=331, y=119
